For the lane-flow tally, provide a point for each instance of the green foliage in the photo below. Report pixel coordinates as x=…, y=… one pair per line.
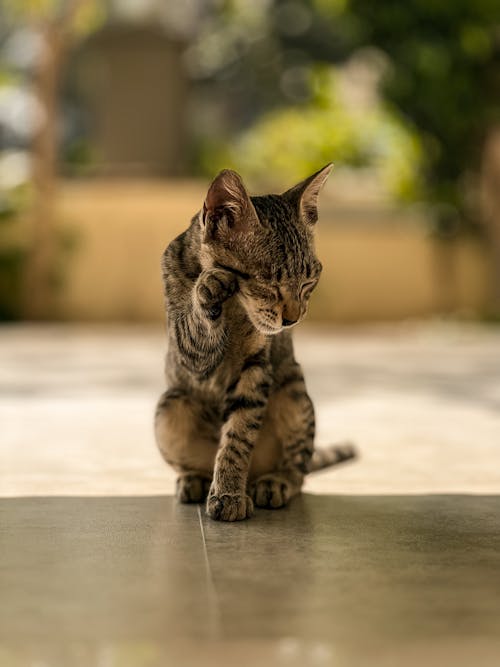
x=285, y=144
x=12, y=261
x=13, y=251
x=83, y=17
x=444, y=77
x=442, y=83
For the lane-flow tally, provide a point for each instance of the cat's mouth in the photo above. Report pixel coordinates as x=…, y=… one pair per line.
x=266, y=329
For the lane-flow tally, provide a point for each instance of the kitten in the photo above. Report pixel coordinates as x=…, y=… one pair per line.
x=236, y=421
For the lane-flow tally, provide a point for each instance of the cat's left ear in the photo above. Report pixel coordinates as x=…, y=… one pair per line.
x=228, y=210
x=305, y=194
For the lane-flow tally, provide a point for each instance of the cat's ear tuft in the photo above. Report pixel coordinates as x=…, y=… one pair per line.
x=305, y=194
x=227, y=206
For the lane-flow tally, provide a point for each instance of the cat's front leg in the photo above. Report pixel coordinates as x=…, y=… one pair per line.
x=246, y=406
x=198, y=325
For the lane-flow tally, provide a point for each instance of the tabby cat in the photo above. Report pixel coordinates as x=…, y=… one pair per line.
x=236, y=421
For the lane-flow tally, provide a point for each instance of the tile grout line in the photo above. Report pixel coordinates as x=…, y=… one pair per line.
x=214, y=624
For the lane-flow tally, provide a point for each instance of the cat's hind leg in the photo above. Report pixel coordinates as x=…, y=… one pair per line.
x=187, y=438
x=288, y=432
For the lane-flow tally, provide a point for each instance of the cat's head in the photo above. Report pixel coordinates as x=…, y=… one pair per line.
x=268, y=242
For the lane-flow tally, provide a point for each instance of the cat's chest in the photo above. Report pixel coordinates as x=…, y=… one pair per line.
x=243, y=341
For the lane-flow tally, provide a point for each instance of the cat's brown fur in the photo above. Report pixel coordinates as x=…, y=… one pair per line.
x=236, y=421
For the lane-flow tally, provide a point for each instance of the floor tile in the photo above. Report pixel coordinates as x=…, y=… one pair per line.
x=87, y=569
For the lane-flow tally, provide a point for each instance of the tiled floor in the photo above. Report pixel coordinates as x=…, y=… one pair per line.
x=393, y=560
x=332, y=580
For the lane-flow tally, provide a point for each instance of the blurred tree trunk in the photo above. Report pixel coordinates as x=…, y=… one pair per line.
x=38, y=297
x=39, y=300
x=490, y=211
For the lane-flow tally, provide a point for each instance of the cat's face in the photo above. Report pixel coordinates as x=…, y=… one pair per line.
x=268, y=242
x=281, y=265
x=275, y=304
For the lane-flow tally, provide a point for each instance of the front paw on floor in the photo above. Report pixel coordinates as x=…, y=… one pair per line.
x=271, y=492
x=229, y=507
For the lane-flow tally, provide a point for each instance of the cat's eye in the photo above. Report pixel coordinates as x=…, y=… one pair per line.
x=307, y=288
x=265, y=292
x=232, y=269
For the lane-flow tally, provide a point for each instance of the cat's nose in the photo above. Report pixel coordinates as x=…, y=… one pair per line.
x=291, y=312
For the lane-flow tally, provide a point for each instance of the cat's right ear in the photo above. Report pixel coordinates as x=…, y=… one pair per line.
x=305, y=194
x=227, y=209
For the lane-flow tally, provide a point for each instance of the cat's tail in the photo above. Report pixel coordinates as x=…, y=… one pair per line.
x=325, y=457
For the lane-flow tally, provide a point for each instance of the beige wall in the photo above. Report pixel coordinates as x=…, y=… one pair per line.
x=373, y=269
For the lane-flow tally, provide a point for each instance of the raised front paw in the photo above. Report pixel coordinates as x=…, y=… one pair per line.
x=192, y=488
x=271, y=491
x=229, y=507
x=213, y=288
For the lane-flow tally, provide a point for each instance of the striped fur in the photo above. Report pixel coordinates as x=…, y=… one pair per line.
x=236, y=421
x=332, y=455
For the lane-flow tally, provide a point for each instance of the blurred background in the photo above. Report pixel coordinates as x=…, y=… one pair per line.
x=114, y=117
x=115, y=114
